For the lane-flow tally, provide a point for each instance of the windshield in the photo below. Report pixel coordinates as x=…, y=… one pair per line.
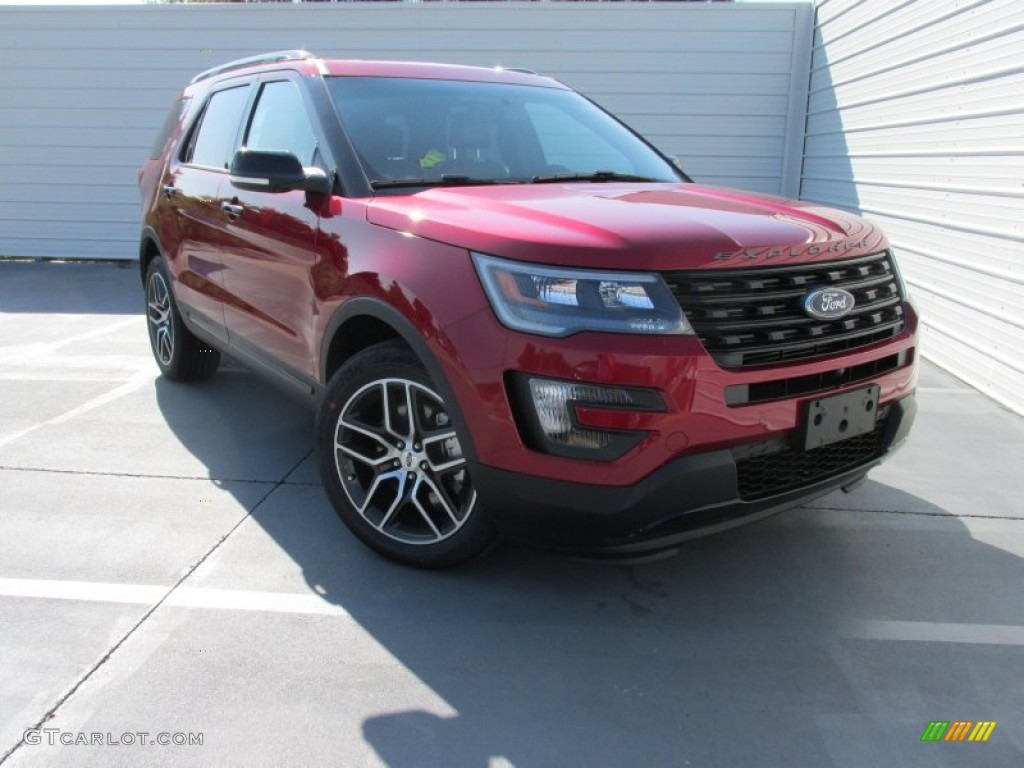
x=406, y=130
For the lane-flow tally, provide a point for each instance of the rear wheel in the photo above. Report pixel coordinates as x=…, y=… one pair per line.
x=179, y=354
x=392, y=463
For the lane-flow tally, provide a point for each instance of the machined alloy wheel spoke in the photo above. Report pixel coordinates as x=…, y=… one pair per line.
x=395, y=504
x=371, y=460
x=410, y=413
x=159, y=312
x=443, y=466
x=408, y=434
x=349, y=424
x=165, y=346
x=388, y=453
x=370, y=493
x=425, y=516
x=387, y=410
x=443, y=499
x=372, y=490
x=381, y=439
x=393, y=444
x=447, y=466
x=438, y=437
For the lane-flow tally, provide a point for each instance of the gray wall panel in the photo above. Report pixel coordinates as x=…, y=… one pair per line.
x=916, y=119
x=85, y=88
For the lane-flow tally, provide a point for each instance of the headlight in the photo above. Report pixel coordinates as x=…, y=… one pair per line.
x=559, y=301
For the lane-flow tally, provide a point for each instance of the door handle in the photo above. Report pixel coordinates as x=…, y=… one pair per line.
x=233, y=211
x=169, y=190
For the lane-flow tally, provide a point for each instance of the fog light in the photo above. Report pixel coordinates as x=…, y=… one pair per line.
x=552, y=401
x=546, y=416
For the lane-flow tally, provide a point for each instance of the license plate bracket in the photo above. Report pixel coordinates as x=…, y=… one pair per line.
x=828, y=420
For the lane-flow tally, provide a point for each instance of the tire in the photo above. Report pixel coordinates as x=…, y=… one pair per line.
x=401, y=485
x=178, y=353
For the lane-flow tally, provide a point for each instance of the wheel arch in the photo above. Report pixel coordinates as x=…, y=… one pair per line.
x=149, y=249
x=362, y=322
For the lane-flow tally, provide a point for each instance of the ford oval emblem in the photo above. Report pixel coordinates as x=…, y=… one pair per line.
x=828, y=303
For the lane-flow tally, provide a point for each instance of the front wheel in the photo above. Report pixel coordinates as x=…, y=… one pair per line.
x=392, y=464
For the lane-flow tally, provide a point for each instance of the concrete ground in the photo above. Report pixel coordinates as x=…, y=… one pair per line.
x=169, y=565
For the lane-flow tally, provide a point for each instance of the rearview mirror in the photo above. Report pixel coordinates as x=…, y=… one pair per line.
x=265, y=171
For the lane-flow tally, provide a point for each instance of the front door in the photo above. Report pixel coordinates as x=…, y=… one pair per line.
x=271, y=241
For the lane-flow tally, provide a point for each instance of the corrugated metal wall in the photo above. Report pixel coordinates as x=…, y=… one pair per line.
x=916, y=119
x=84, y=89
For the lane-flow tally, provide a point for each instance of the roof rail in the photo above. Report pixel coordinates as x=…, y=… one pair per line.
x=251, y=61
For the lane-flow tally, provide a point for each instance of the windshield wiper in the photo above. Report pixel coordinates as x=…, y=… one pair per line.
x=459, y=180
x=596, y=176
x=448, y=180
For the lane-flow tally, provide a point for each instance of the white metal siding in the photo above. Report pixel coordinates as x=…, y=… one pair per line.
x=84, y=89
x=916, y=119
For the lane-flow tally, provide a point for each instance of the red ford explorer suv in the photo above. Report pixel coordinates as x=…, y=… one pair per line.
x=514, y=315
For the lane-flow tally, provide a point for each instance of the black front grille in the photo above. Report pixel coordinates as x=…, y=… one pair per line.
x=791, y=468
x=778, y=389
x=747, y=317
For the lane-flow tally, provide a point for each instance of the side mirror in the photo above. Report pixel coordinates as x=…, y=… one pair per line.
x=261, y=171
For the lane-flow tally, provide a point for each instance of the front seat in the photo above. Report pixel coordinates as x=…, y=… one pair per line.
x=469, y=139
x=382, y=151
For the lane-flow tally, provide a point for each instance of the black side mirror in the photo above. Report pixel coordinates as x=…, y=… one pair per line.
x=261, y=171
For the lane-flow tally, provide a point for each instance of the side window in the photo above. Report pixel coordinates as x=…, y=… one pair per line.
x=280, y=122
x=568, y=144
x=170, y=123
x=212, y=142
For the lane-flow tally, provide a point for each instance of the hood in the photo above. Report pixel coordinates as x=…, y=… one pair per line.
x=627, y=226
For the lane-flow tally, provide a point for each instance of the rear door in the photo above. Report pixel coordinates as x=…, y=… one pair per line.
x=191, y=185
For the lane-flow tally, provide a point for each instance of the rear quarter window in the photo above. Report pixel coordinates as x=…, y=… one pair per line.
x=174, y=115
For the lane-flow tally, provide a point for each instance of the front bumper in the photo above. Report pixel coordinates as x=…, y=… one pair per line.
x=688, y=497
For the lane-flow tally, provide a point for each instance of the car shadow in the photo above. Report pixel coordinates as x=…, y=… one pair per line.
x=773, y=644
x=88, y=288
